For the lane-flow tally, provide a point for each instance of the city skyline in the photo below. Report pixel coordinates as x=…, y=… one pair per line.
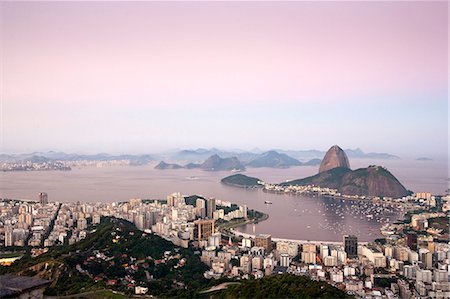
x=148, y=76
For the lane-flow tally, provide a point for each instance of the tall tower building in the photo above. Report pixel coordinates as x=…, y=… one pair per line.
x=211, y=207
x=351, y=246
x=43, y=198
x=411, y=240
x=200, y=207
x=171, y=200
x=203, y=229
x=9, y=240
x=244, y=210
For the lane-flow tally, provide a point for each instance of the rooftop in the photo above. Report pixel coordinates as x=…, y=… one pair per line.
x=13, y=285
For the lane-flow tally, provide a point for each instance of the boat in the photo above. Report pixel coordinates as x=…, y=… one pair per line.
x=268, y=202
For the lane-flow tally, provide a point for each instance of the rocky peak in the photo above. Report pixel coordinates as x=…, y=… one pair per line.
x=335, y=157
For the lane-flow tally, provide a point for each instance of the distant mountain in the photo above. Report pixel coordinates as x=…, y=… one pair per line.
x=312, y=162
x=275, y=160
x=164, y=165
x=213, y=163
x=192, y=165
x=7, y=158
x=351, y=153
x=302, y=154
x=216, y=163
x=370, y=181
x=424, y=159
x=335, y=157
x=240, y=180
x=38, y=159
x=201, y=154
x=358, y=153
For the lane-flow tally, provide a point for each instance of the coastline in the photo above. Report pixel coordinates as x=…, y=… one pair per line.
x=234, y=231
x=228, y=228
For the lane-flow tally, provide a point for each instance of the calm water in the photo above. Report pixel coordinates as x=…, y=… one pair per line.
x=293, y=217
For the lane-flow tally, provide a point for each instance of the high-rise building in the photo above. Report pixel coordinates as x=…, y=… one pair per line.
x=200, y=207
x=309, y=257
x=9, y=240
x=170, y=200
x=426, y=257
x=244, y=210
x=203, y=229
x=211, y=207
x=43, y=198
x=214, y=239
x=411, y=240
x=287, y=247
x=82, y=224
x=285, y=260
x=150, y=218
x=324, y=251
x=265, y=241
x=351, y=246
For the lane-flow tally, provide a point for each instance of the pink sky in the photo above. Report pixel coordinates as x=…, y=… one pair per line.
x=193, y=54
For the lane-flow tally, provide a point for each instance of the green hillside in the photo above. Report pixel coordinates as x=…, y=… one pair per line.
x=328, y=179
x=117, y=256
x=281, y=286
x=241, y=180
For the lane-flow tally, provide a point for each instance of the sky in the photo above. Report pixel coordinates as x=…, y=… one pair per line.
x=138, y=77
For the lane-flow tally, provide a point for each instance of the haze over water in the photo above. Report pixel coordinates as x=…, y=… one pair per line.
x=292, y=217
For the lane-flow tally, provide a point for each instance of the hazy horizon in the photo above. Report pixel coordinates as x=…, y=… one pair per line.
x=168, y=151
x=142, y=77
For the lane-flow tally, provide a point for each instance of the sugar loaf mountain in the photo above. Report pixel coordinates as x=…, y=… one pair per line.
x=335, y=173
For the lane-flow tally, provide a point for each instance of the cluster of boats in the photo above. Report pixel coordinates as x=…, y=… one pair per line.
x=341, y=216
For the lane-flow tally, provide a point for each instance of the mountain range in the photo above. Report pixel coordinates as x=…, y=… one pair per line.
x=213, y=163
x=275, y=160
x=198, y=156
x=201, y=154
x=335, y=173
x=270, y=159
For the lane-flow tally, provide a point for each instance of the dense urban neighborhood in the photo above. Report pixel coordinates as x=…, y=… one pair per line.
x=412, y=260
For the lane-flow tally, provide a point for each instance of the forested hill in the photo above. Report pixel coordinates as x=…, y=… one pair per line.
x=117, y=256
x=281, y=286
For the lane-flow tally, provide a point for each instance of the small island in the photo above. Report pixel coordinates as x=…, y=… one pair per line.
x=242, y=181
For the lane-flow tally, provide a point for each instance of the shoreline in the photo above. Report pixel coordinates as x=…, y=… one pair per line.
x=245, y=235
x=254, y=187
x=234, y=229
x=228, y=229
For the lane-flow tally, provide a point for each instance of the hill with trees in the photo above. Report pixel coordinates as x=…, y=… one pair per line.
x=117, y=256
x=241, y=180
x=281, y=286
